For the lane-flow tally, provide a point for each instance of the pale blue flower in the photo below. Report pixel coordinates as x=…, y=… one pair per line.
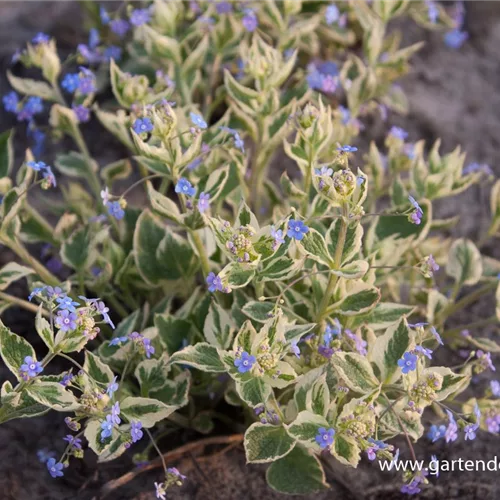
x=198, y=121
x=245, y=362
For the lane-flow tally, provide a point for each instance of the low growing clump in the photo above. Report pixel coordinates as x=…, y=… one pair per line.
x=312, y=305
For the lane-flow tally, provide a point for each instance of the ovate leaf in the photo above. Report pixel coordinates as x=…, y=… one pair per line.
x=202, y=356
x=355, y=371
x=297, y=473
x=14, y=349
x=464, y=262
x=266, y=443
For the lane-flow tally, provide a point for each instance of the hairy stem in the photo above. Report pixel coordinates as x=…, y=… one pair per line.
x=22, y=303
x=332, y=281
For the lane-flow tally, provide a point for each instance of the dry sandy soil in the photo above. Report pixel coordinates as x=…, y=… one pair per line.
x=453, y=95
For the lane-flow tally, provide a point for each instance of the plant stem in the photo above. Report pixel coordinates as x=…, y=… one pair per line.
x=113, y=302
x=307, y=183
x=476, y=324
x=332, y=281
x=465, y=301
x=171, y=456
x=205, y=264
x=22, y=303
x=153, y=442
x=398, y=418
x=19, y=249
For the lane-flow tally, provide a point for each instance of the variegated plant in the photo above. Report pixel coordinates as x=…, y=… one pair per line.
x=313, y=304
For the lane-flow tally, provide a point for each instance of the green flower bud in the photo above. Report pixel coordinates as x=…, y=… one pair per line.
x=344, y=183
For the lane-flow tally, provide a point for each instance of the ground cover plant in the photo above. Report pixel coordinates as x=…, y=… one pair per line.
x=311, y=302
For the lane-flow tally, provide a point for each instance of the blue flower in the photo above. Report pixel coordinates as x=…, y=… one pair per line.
x=451, y=431
x=66, y=320
x=418, y=213
x=332, y=14
x=37, y=166
x=10, y=102
x=30, y=368
x=86, y=84
x=82, y=113
x=470, y=430
x=323, y=77
x=135, y=431
x=115, y=412
x=101, y=308
x=455, y=39
x=408, y=363
x=295, y=348
x=107, y=427
x=66, y=380
x=412, y=488
x=296, y=229
x=55, y=469
x=432, y=11
x=112, y=52
x=436, y=432
x=238, y=141
x=477, y=167
x=89, y=55
x=325, y=351
x=119, y=27
x=198, y=121
x=250, y=20
x=324, y=170
x=40, y=38
x=279, y=237
x=38, y=140
x=423, y=350
x=70, y=82
x=112, y=386
x=223, y=7
x=485, y=360
x=73, y=441
x=104, y=15
x=398, y=133
x=160, y=491
x=115, y=210
x=214, y=283
x=347, y=149
x=325, y=437
x=203, y=202
x=142, y=125
x=67, y=303
x=245, y=363
x=495, y=388
x=436, y=335
x=36, y=292
x=335, y=329
x=183, y=186
x=138, y=17
x=346, y=114
x=149, y=349
x=44, y=455
x=32, y=106
x=49, y=178
x=118, y=341
x=176, y=473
